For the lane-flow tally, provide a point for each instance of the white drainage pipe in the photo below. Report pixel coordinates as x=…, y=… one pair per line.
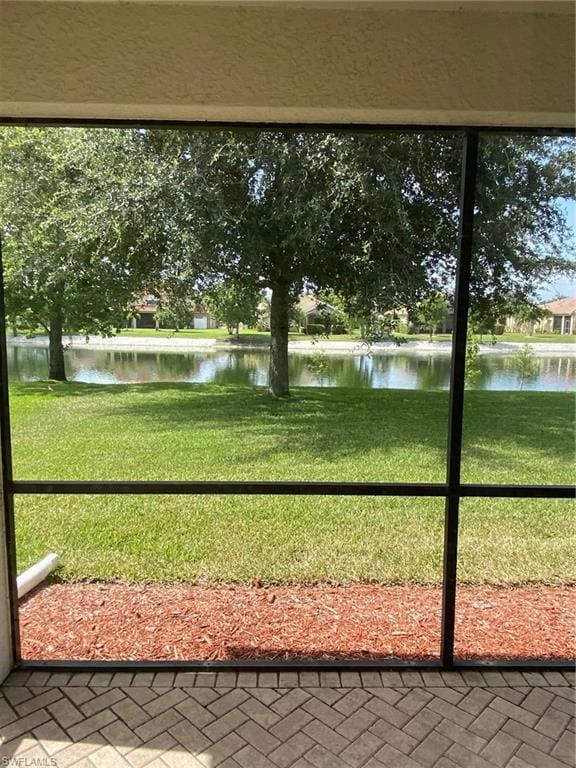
x=37, y=573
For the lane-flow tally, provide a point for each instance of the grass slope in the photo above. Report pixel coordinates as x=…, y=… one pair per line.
x=180, y=431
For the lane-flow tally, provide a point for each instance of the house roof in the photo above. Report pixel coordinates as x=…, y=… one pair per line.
x=308, y=303
x=147, y=303
x=561, y=306
x=142, y=309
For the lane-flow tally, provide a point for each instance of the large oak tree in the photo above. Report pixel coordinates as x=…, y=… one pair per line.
x=74, y=240
x=373, y=217
x=368, y=216
x=90, y=215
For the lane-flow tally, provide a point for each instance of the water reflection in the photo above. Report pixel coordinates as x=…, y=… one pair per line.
x=401, y=370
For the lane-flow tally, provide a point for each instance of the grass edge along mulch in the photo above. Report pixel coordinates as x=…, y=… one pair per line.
x=175, y=622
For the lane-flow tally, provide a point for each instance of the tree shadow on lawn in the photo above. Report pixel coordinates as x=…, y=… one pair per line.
x=314, y=423
x=337, y=422
x=61, y=389
x=332, y=424
x=517, y=436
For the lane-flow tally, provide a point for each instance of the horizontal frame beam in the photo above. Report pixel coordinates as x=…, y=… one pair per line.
x=285, y=488
x=518, y=491
x=282, y=126
x=251, y=488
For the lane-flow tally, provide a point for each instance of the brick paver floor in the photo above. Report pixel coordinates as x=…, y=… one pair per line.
x=288, y=720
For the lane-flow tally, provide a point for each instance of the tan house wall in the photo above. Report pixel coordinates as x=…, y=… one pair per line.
x=567, y=324
x=546, y=325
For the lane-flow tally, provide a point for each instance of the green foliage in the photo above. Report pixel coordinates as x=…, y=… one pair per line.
x=332, y=306
x=172, y=317
x=318, y=363
x=486, y=323
x=473, y=371
x=528, y=314
x=93, y=216
x=378, y=328
x=525, y=363
x=296, y=316
x=483, y=321
x=522, y=236
x=233, y=304
x=70, y=242
x=432, y=312
x=354, y=214
x=315, y=329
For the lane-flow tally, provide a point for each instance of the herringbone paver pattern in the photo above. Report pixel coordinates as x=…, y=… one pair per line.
x=288, y=720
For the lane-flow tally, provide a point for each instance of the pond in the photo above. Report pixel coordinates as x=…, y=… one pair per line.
x=400, y=370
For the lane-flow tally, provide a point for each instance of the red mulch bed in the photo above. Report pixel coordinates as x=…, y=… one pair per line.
x=116, y=621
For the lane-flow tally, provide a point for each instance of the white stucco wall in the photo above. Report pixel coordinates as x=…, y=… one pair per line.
x=437, y=62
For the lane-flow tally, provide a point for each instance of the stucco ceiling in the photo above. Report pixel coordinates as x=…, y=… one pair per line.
x=494, y=63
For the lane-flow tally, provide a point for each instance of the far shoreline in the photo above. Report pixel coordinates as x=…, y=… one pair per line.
x=175, y=344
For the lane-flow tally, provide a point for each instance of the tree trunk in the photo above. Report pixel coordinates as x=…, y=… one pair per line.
x=278, y=384
x=56, y=365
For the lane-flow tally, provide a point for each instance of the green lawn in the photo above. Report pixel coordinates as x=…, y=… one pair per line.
x=190, y=333
x=249, y=334
x=516, y=338
x=537, y=338
x=179, y=431
x=261, y=336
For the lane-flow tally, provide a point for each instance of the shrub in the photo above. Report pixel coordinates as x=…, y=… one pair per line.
x=525, y=362
x=338, y=329
x=315, y=329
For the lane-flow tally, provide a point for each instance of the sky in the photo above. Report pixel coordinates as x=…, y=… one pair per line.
x=561, y=287
x=565, y=286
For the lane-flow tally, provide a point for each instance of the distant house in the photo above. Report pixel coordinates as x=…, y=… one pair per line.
x=315, y=312
x=144, y=315
x=203, y=320
x=561, y=319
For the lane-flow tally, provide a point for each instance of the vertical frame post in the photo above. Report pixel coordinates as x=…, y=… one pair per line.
x=7, y=474
x=457, y=386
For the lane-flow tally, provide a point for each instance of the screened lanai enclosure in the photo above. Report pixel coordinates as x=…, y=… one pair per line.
x=325, y=447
